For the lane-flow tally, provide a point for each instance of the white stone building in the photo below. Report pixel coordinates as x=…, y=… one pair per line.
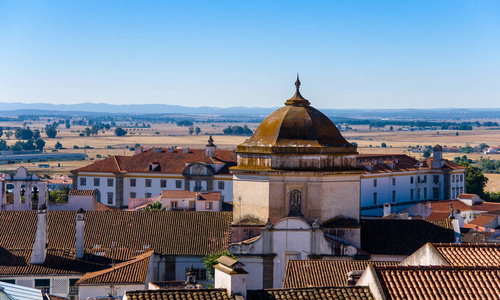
x=398, y=181
x=117, y=179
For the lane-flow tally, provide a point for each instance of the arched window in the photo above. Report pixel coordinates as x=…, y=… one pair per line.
x=97, y=195
x=295, y=203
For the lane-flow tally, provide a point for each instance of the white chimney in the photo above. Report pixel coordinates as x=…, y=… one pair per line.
x=80, y=228
x=40, y=245
x=210, y=148
x=229, y=275
x=387, y=209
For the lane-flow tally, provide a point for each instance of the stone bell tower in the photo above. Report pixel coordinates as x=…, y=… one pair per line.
x=296, y=164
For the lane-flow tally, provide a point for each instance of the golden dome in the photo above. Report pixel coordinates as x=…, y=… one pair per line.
x=297, y=128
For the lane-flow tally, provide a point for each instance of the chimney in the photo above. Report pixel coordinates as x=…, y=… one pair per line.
x=191, y=279
x=210, y=148
x=80, y=228
x=40, y=245
x=229, y=274
x=437, y=157
x=387, y=209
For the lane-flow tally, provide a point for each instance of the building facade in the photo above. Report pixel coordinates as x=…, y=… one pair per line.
x=146, y=174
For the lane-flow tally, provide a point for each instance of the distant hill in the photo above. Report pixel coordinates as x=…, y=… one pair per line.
x=15, y=109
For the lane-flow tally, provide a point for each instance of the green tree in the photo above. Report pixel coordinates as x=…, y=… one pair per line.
x=155, y=206
x=39, y=144
x=427, y=153
x=51, y=131
x=23, y=134
x=87, y=131
x=67, y=124
x=475, y=180
x=383, y=145
x=3, y=145
x=211, y=260
x=58, y=145
x=191, y=130
x=36, y=134
x=8, y=134
x=120, y=132
x=197, y=130
x=1, y=131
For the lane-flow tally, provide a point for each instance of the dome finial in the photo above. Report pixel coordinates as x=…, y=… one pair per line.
x=297, y=99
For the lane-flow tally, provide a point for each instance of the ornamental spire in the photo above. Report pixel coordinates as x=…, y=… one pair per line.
x=297, y=99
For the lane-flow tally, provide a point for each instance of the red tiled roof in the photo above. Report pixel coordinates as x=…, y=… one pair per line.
x=167, y=233
x=438, y=215
x=173, y=162
x=404, y=163
x=439, y=282
x=312, y=293
x=81, y=192
x=130, y=272
x=187, y=294
x=102, y=207
x=470, y=255
x=444, y=206
x=467, y=196
x=178, y=194
x=483, y=220
x=317, y=273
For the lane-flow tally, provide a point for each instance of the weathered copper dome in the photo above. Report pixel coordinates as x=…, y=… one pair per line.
x=298, y=128
x=296, y=137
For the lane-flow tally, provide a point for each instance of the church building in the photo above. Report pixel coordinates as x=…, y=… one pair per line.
x=298, y=178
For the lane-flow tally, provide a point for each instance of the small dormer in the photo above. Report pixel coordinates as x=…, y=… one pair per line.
x=154, y=166
x=210, y=148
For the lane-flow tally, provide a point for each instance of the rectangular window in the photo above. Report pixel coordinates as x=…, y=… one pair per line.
x=174, y=204
x=110, y=181
x=425, y=179
x=452, y=178
x=97, y=181
x=418, y=194
x=394, y=196
x=221, y=185
x=197, y=186
x=43, y=285
x=110, y=198
x=418, y=179
x=178, y=184
x=11, y=281
x=411, y=180
x=148, y=182
x=163, y=183
x=147, y=195
x=453, y=193
x=425, y=193
x=461, y=190
x=201, y=274
x=394, y=181
x=132, y=182
x=73, y=288
x=461, y=177
x=411, y=195
x=435, y=178
x=83, y=181
x=435, y=193
x=209, y=205
x=374, y=198
x=192, y=205
x=133, y=195
x=374, y=182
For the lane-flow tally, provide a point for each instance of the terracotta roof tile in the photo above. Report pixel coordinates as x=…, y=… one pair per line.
x=167, y=233
x=102, y=207
x=132, y=271
x=469, y=255
x=438, y=215
x=315, y=293
x=81, y=193
x=483, y=220
x=317, y=273
x=191, y=294
x=439, y=282
x=403, y=237
x=171, y=162
x=404, y=163
x=177, y=194
x=444, y=206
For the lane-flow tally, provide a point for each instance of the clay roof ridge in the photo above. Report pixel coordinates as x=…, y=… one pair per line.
x=468, y=245
x=316, y=287
x=136, y=259
x=117, y=164
x=435, y=267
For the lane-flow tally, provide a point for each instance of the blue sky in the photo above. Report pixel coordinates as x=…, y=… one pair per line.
x=350, y=54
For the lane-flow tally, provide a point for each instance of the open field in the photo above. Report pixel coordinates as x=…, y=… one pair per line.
x=493, y=184
x=170, y=135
